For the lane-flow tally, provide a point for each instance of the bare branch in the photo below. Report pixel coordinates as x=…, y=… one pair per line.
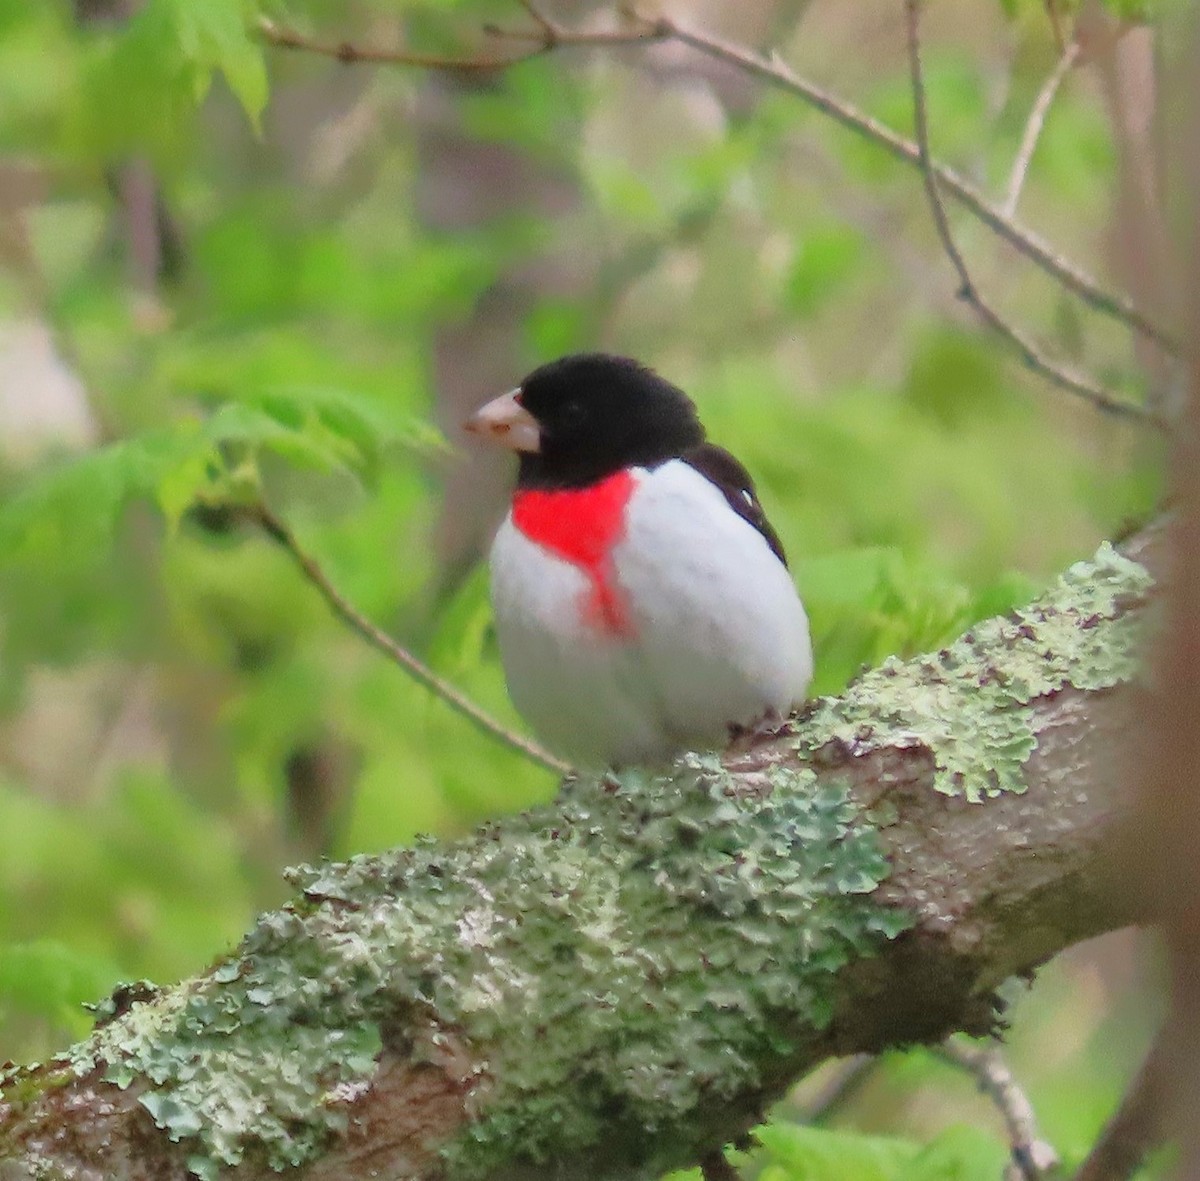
x=550, y=29
x=1034, y=125
x=349, y=53
x=547, y=36
x=279, y=532
x=1032, y=1157
x=773, y=71
x=1085, y=388
x=1069, y=275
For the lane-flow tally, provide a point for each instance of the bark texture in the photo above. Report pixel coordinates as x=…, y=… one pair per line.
x=621, y=982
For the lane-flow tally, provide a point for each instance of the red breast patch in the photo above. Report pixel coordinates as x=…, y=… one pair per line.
x=582, y=525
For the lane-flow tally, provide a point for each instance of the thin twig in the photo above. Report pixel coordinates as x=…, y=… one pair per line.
x=349, y=53
x=1137, y=1127
x=550, y=29
x=1034, y=125
x=774, y=72
x=1090, y=391
x=547, y=36
x=1069, y=275
x=279, y=532
x=1032, y=1157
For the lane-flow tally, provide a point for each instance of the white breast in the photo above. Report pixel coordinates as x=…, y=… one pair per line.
x=719, y=633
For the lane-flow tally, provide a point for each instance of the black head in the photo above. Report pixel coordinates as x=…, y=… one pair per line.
x=596, y=414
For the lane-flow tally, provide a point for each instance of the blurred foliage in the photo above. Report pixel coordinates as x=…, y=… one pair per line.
x=792, y=1152
x=179, y=717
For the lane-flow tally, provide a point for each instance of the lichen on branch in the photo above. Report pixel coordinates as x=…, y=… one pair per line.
x=666, y=931
x=644, y=964
x=971, y=704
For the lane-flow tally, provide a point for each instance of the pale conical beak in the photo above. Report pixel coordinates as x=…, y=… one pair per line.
x=505, y=421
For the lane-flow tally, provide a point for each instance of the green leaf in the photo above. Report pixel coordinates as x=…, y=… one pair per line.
x=305, y=442
x=57, y=534
x=321, y=426
x=797, y=1152
x=146, y=79
x=76, y=505
x=802, y=1153
x=176, y=489
x=214, y=35
x=960, y=1153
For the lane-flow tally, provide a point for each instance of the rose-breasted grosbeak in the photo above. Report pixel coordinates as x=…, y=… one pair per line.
x=642, y=600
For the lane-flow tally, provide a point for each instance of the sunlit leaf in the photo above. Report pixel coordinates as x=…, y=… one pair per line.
x=148, y=74
x=214, y=36
x=801, y=1153
x=960, y=1153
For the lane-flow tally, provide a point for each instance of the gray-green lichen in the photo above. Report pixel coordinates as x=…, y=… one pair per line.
x=970, y=705
x=642, y=950
x=613, y=962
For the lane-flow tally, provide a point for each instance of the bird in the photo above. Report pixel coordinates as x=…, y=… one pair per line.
x=642, y=601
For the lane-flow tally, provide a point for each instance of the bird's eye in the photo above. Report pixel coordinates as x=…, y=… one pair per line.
x=571, y=414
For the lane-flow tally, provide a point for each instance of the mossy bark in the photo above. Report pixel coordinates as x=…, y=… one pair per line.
x=622, y=981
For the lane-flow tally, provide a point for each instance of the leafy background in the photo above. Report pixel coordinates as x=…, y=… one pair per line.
x=340, y=261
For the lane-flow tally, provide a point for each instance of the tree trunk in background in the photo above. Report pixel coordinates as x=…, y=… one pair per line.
x=1165, y=849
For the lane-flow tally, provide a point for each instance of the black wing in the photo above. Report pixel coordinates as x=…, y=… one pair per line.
x=717, y=466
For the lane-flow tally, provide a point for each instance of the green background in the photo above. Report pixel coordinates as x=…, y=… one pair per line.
x=344, y=258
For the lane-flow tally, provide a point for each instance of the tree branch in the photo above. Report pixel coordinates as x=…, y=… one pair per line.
x=1067, y=274
x=1032, y=1157
x=349, y=53
x=1034, y=125
x=280, y=533
x=548, y=35
x=621, y=982
x=776, y=73
x=1082, y=387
